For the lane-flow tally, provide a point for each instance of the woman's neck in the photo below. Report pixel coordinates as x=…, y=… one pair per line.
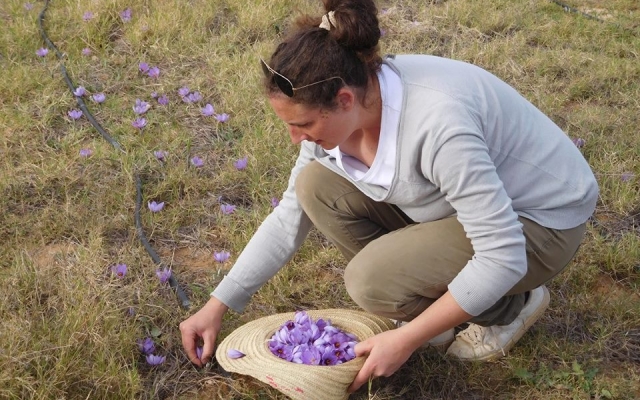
x=363, y=143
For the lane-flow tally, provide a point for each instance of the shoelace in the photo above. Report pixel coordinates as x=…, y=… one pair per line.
x=476, y=335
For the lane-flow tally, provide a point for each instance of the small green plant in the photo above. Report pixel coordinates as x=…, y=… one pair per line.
x=572, y=379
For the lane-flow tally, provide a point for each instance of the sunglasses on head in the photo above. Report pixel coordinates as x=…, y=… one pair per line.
x=284, y=84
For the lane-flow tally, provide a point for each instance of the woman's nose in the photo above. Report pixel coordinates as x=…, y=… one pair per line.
x=296, y=134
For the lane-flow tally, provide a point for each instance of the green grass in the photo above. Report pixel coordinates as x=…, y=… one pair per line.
x=66, y=330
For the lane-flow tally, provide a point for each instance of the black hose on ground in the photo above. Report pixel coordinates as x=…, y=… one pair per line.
x=173, y=282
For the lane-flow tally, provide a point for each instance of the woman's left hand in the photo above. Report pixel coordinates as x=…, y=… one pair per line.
x=386, y=351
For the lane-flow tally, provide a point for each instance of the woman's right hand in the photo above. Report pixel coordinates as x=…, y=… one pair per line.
x=205, y=324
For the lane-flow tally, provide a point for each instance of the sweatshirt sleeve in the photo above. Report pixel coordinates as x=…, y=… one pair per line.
x=463, y=169
x=274, y=243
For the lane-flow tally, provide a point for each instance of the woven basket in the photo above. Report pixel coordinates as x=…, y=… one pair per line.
x=298, y=381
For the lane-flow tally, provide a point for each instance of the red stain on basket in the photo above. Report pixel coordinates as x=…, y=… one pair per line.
x=272, y=382
x=299, y=390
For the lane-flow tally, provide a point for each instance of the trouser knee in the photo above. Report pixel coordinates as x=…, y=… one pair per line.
x=364, y=288
x=309, y=184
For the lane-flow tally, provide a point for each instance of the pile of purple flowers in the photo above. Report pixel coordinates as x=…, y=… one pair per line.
x=304, y=341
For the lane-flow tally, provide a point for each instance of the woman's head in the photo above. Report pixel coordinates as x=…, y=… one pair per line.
x=318, y=61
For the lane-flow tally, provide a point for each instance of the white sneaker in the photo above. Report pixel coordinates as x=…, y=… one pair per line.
x=490, y=343
x=440, y=342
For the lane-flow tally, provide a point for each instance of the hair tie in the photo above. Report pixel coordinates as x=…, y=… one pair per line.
x=327, y=20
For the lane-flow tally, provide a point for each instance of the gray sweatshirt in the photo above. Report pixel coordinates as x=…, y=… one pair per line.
x=468, y=145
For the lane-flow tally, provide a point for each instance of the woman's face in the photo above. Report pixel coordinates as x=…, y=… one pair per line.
x=326, y=128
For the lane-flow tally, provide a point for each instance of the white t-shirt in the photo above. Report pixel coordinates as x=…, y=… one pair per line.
x=382, y=169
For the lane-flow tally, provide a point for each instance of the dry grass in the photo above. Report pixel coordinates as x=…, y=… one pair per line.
x=67, y=330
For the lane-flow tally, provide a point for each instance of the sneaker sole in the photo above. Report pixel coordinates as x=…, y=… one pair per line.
x=525, y=327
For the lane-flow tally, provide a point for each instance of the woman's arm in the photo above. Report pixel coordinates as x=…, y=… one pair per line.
x=389, y=350
x=271, y=246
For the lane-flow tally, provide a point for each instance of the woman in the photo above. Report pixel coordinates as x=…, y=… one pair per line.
x=451, y=196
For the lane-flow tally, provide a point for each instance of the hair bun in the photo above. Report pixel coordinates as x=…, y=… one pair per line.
x=356, y=24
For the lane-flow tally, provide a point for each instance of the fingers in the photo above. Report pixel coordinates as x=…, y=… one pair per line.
x=363, y=376
x=363, y=348
x=207, y=349
x=189, y=339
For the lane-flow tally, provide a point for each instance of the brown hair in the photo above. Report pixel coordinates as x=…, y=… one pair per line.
x=310, y=54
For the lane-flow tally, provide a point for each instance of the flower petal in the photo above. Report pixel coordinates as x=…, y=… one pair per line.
x=233, y=353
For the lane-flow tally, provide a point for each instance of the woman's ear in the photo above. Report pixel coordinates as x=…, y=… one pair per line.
x=345, y=99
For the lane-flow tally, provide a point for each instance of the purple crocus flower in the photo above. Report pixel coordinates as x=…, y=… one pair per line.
x=275, y=202
x=160, y=154
x=281, y=349
x=310, y=355
x=28, y=6
x=139, y=123
x=155, y=207
x=146, y=346
x=85, y=152
x=296, y=353
x=183, y=91
x=233, y=353
x=163, y=275
x=339, y=341
x=75, y=114
x=195, y=96
x=350, y=352
x=221, y=256
x=197, y=162
x=302, y=318
x=42, y=52
x=383, y=32
x=192, y=97
x=163, y=100
x=227, y=208
x=199, y=351
x=126, y=15
x=224, y=117
x=86, y=51
x=141, y=107
x=154, y=95
x=208, y=110
x=119, y=270
x=87, y=16
x=627, y=176
x=143, y=67
x=154, y=72
x=579, y=142
x=99, y=97
x=328, y=357
x=80, y=91
x=282, y=335
x=154, y=360
x=321, y=323
x=241, y=163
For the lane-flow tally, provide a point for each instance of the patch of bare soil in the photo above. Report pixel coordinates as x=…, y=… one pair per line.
x=194, y=265
x=52, y=254
x=187, y=258
x=608, y=288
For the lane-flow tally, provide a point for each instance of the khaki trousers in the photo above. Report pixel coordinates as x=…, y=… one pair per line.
x=397, y=268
